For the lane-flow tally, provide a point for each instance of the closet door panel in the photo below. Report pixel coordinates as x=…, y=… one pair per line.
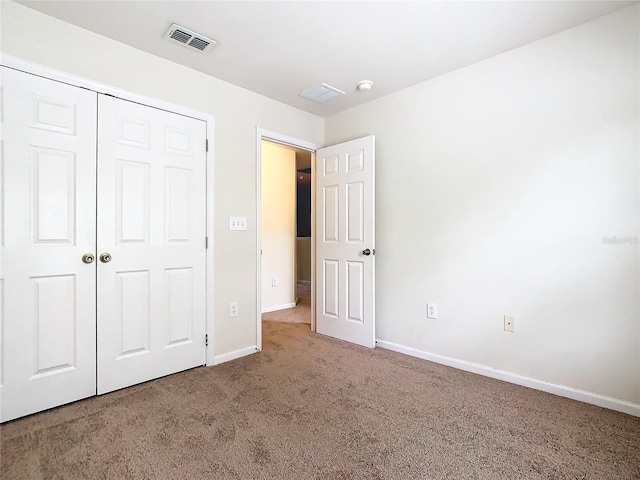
x=47, y=292
x=151, y=222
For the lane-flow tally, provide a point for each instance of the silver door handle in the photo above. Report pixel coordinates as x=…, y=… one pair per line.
x=105, y=257
x=366, y=252
x=88, y=258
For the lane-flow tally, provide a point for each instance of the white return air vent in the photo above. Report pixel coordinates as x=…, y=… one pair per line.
x=189, y=38
x=321, y=93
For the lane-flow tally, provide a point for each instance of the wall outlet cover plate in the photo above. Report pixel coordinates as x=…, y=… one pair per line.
x=509, y=323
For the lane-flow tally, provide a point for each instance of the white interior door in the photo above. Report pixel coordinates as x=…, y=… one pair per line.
x=47, y=293
x=345, y=246
x=151, y=224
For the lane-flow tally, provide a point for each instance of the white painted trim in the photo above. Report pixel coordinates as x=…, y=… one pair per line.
x=57, y=75
x=68, y=78
x=263, y=134
x=259, y=139
x=560, y=390
x=210, y=255
x=286, y=140
x=313, y=241
x=227, y=357
x=275, y=308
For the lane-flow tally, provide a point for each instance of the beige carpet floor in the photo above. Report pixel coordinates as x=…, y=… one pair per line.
x=311, y=407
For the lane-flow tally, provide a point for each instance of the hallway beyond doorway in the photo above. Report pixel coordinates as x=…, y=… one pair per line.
x=301, y=313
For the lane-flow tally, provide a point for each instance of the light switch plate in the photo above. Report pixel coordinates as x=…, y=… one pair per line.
x=237, y=223
x=233, y=309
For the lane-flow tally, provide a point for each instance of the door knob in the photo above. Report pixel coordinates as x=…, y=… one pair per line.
x=366, y=252
x=88, y=258
x=105, y=257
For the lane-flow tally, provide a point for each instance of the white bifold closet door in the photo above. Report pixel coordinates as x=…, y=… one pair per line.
x=48, y=294
x=151, y=222
x=102, y=265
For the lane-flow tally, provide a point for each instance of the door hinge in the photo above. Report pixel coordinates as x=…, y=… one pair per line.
x=206, y=339
x=206, y=144
x=206, y=242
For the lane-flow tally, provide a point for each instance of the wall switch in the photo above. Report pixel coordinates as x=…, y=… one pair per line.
x=237, y=223
x=274, y=282
x=432, y=310
x=509, y=323
x=233, y=309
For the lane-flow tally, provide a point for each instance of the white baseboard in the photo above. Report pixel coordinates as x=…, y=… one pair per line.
x=227, y=357
x=561, y=390
x=278, y=307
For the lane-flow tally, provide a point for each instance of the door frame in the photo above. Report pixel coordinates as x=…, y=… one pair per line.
x=287, y=141
x=26, y=66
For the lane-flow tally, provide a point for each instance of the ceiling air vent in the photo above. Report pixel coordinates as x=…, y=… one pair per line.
x=322, y=93
x=188, y=38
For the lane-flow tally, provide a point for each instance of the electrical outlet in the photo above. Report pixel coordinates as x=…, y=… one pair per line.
x=432, y=310
x=509, y=323
x=274, y=282
x=233, y=309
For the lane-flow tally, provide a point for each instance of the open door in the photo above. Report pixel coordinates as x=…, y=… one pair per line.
x=345, y=246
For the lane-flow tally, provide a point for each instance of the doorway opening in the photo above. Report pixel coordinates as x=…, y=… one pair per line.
x=286, y=234
x=286, y=244
x=304, y=279
x=342, y=237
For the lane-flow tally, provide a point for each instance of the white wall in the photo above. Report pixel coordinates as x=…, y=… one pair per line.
x=496, y=184
x=33, y=36
x=278, y=227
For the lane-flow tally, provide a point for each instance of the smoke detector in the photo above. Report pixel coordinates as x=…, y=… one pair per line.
x=364, y=85
x=188, y=38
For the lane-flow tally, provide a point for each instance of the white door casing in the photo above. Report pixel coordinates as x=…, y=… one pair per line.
x=47, y=293
x=152, y=223
x=345, y=241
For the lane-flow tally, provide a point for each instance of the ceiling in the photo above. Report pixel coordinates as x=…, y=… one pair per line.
x=279, y=49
